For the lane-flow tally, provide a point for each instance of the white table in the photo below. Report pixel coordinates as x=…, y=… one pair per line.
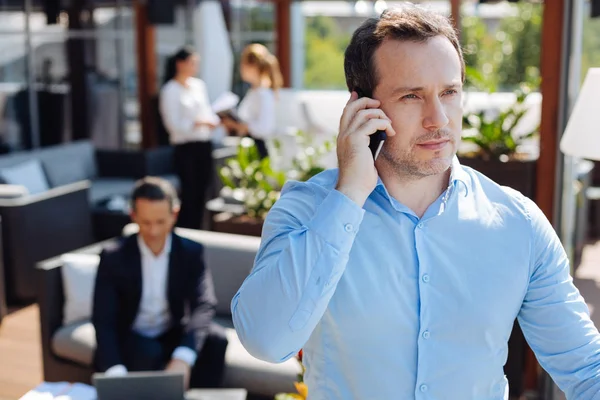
x=216, y=394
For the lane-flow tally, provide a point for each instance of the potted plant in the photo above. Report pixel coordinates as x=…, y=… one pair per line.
x=301, y=388
x=497, y=144
x=256, y=183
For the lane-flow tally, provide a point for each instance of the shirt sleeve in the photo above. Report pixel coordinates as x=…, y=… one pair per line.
x=555, y=318
x=303, y=254
x=172, y=114
x=116, y=370
x=206, y=111
x=185, y=354
x=262, y=126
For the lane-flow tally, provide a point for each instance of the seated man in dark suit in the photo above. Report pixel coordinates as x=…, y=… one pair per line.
x=154, y=298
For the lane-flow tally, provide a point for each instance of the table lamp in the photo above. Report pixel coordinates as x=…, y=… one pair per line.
x=582, y=135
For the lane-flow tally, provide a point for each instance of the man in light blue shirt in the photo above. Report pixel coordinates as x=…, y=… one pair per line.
x=402, y=278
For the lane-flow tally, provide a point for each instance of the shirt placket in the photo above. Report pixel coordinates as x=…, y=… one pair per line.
x=152, y=285
x=424, y=275
x=426, y=279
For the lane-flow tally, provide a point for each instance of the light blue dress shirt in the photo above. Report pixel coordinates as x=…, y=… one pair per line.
x=387, y=305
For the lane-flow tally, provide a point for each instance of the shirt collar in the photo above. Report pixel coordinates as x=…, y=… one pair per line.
x=145, y=250
x=457, y=174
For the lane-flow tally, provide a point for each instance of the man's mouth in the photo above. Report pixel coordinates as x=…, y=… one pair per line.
x=437, y=144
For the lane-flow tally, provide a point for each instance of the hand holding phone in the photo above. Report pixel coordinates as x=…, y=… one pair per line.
x=378, y=138
x=360, y=119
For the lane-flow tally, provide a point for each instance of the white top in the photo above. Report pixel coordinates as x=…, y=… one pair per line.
x=154, y=318
x=257, y=109
x=181, y=106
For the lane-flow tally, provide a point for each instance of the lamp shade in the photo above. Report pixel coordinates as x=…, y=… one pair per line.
x=582, y=135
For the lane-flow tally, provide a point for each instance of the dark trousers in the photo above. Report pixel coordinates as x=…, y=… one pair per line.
x=141, y=353
x=195, y=167
x=261, y=147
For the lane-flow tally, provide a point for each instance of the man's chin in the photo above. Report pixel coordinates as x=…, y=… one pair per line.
x=437, y=165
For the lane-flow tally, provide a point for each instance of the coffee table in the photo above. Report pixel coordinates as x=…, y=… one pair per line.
x=216, y=394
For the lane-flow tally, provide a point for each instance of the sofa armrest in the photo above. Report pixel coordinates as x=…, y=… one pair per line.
x=40, y=226
x=50, y=298
x=20, y=201
x=8, y=191
x=120, y=163
x=160, y=161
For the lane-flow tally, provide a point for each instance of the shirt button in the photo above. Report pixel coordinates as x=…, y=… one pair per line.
x=426, y=335
x=420, y=225
x=425, y=278
x=348, y=228
x=424, y=388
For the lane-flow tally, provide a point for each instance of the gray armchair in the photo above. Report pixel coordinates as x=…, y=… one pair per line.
x=37, y=227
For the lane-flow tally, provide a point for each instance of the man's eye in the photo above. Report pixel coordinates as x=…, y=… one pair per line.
x=409, y=96
x=451, y=91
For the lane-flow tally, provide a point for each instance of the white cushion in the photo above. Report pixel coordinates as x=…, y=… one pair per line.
x=29, y=174
x=76, y=342
x=79, y=276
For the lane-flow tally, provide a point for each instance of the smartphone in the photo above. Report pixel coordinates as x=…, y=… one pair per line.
x=378, y=138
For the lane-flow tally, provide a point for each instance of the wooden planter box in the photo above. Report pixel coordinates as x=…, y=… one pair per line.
x=519, y=175
x=237, y=224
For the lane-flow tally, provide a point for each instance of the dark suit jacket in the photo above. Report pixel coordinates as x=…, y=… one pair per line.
x=118, y=292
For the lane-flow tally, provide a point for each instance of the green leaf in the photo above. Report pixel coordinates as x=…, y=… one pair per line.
x=224, y=174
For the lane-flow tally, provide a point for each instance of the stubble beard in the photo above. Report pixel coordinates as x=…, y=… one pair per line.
x=407, y=166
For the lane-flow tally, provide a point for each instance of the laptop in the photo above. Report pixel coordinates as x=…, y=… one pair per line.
x=151, y=385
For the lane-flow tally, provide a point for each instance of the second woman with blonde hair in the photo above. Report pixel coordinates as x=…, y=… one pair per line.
x=256, y=112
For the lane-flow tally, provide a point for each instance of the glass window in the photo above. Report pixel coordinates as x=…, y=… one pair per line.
x=251, y=22
x=14, y=59
x=590, y=55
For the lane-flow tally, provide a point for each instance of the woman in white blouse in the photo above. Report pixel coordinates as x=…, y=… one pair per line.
x=188, y=118
x=260, y=69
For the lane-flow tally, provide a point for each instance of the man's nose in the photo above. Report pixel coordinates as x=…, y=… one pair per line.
x=435, y=115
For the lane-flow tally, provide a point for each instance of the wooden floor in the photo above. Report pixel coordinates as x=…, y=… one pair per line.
x=20, y=351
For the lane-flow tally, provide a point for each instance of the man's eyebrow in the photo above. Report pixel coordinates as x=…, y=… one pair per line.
x=453, y=86
x=411, y=89
x=407, y=89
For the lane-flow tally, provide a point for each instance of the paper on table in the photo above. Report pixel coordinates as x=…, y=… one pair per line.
x=46, y=390
x=61, y=391
x=224, y=102
x=79, y=391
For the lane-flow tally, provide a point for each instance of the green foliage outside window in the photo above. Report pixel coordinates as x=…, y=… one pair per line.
x=507, y=57
x=325, y=46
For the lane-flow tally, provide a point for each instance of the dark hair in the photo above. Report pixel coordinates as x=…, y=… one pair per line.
x=154, y=189
x=409, y=23
x=171, y=65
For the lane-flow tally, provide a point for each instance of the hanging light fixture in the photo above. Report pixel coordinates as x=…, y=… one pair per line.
x=380, y=6
x=361, y=7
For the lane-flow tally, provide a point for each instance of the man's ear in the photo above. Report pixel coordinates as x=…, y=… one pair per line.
x=176, y=210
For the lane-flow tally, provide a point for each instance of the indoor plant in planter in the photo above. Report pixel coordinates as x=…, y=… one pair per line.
x=256, y=183
x=301, y=388
x=498, y=154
